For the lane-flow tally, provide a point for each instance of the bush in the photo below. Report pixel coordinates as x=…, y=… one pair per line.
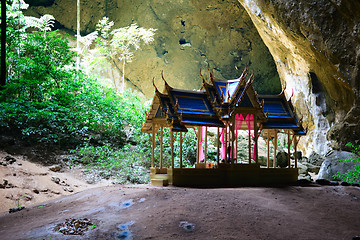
x=47, y=100
x=353, y=175
x=126, y=165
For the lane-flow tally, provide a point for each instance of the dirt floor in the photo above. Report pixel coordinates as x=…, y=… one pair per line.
x=148, y=212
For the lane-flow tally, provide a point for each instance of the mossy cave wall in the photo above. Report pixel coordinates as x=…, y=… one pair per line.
x=312, y=46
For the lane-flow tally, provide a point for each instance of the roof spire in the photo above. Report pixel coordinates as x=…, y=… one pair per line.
x=282, y=92
x=156, y=90
x=252, y=77
x=167, y=86
x=202, y=77
x=292, y=94
x=243, y=74
x=301, y=121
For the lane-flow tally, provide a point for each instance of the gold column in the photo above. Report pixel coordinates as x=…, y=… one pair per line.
x=289, y=143
x=153, y=146
x=172, y=148
x=275, y=147
x=181, y=142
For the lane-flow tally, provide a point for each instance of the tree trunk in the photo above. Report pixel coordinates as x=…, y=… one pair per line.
x=78, y=35
x=123, y=77
x=3, y=44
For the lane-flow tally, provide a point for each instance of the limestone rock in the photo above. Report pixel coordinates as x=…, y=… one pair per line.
x=315, y=45
x=282, y=159
x=55, y=179
x=312, y=168
x=8, y=160
x=315, y=159
x=302, y=168
x=190, y=35
x=68, y=189
x=348, y=130
x=55, y=168
x=36, y=191
x=4, y=184
x=331, y=165
x=305, y=168
x=304, y=179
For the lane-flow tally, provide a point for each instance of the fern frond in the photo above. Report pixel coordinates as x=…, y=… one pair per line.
x=45, y=23
x=88, y=39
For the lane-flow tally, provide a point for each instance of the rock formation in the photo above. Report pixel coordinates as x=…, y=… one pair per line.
x=315, y=45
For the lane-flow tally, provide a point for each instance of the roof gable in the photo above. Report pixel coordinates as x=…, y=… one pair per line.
x=190, y=102
x=281, y=113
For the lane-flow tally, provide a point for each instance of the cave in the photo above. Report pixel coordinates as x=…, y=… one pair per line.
x=308, y=48
x=280, y=41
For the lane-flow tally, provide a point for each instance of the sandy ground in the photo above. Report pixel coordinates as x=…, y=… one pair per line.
x=30, y=183
x=148, y=212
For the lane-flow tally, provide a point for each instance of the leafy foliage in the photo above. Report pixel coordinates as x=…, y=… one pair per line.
x=113, y=45
x=352, y=175
x=126, y=165
x=47, y=100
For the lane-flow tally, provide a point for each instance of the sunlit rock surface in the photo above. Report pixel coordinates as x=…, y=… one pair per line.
x=315, y=45
x=190, y=35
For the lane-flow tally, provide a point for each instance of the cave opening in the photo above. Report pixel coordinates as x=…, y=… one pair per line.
x=43, y=3
x=182, y=41
x=318, y=90
x=315, y=83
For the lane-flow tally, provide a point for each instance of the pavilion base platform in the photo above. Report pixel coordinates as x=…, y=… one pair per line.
x=227, y=175
x=161, y=176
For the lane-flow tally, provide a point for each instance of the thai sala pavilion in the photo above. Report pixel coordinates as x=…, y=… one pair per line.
x=228, y=106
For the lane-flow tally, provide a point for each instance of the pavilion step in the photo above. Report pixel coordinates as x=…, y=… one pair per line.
x=159, y=182
x=159, y=176
x=158, y=170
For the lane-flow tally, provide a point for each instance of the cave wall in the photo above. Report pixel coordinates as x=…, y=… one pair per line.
x=190, y=35
x=315, y=45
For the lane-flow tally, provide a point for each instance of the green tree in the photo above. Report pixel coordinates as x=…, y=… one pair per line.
x=114, y=45
x=45, y=98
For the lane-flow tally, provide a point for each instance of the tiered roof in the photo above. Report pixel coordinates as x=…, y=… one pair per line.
x=218, y=102
x=281, y=114
x=232, y=96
